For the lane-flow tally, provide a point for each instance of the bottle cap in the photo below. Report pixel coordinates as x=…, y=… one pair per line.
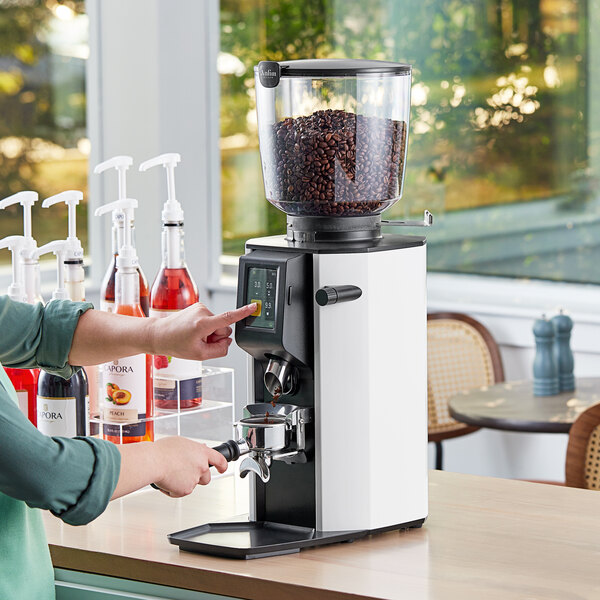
x=172, y=211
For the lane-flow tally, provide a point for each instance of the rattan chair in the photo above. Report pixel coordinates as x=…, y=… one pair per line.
x=461, y=355
x=582, y=467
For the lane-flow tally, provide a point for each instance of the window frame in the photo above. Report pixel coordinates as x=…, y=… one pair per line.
x=137, y=106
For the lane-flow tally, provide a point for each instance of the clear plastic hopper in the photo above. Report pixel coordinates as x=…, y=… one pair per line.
x=333, y=135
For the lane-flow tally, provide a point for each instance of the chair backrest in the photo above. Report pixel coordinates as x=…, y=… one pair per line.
x=582, y=468
x=461, y=355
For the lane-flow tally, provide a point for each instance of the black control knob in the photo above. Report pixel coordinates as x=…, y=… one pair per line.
x=339, y=293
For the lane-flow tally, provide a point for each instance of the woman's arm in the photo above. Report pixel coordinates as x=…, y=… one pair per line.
x=193, y=333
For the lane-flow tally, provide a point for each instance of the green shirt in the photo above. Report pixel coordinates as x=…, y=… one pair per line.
x=72, y=478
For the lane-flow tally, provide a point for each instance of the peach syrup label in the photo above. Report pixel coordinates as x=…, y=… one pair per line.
x=124, y=396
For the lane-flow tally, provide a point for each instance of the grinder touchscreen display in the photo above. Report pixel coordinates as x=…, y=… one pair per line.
x=262, y=285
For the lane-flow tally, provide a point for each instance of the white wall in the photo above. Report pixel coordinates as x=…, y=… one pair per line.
x=152, y=87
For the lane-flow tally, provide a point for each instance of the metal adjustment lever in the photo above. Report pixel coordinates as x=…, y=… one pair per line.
x=339, y=293
x=426, y=222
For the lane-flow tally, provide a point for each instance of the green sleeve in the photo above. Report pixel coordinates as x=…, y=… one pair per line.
x=73, y=478
x=39, y=336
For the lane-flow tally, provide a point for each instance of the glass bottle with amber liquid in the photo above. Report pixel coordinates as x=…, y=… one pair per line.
x=126, y=383
x=107, y=289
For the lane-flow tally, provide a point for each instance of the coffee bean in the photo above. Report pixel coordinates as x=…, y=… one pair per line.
x=334, y=163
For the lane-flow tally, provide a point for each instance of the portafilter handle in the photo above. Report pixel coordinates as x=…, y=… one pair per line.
x=233, y=449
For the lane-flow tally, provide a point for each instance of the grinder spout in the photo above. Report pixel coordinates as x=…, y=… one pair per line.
x=280, y=377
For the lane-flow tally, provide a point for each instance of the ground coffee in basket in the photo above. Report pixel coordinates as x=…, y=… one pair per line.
x=334, y=163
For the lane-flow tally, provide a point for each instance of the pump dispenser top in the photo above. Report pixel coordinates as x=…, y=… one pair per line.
x=127, y=254
x=172, y=211
x=121, y=164
x=73, y=248
x=107, y=293
x=30, y=266
x=60, y=248
x=15, y=244
x=26, y=200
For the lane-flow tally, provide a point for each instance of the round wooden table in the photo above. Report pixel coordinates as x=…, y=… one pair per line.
x=511, y=406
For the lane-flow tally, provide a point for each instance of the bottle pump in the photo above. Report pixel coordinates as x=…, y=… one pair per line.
x=177, y=382
x=172, y=211
x=74, y=279
x=127, y=260
x=23, y=380
x=127, y=381
x=15, y=244
x=72, y=250
x=58, y=247
x=30, y=266
x=107, y=293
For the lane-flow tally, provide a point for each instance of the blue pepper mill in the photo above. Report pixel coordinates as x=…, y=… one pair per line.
x=563, y=354
x=545, y=370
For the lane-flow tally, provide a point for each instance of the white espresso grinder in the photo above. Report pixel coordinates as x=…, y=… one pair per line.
x=335, y=431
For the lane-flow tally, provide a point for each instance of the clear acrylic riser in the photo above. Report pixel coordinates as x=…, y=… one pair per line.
x=211, y=422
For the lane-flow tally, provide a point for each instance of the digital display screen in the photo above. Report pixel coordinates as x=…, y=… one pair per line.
x=262, y=289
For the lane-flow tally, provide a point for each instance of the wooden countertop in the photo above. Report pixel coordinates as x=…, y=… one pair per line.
x=485, y=538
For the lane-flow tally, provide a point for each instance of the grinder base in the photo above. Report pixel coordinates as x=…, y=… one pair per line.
x=259, y=539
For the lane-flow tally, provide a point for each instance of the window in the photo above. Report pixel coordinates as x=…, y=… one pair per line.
x=504, y=143
x=43, y=144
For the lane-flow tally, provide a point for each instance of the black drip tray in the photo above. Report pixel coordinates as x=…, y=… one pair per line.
x=254, y=539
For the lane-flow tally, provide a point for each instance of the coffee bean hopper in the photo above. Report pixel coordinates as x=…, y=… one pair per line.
x=338, y=341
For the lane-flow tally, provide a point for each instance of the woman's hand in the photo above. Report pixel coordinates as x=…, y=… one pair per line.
x=196, y=333
x=186, y=465
x=176, y=465
x=193, y=333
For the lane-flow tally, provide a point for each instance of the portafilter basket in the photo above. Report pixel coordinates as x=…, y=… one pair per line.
x=265, y=433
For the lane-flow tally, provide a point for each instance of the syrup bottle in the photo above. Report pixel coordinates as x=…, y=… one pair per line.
x=107, y=290
x=62, y=404
x=74, y=282
x=177, y=383
x=126, y=382
x=24, y=380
